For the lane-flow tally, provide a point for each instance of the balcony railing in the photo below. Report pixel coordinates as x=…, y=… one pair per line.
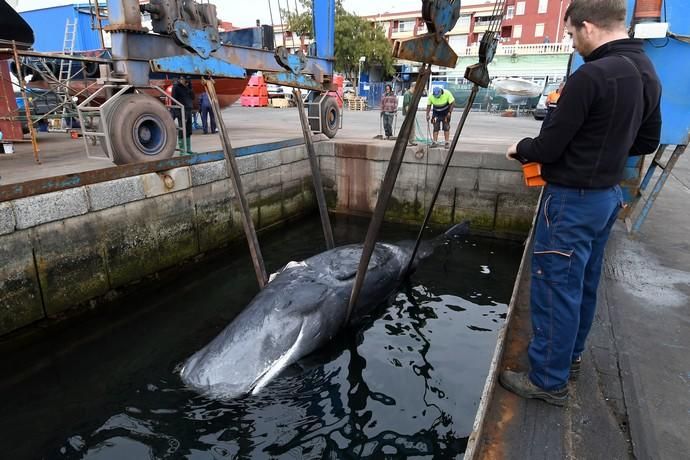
x=509, y=50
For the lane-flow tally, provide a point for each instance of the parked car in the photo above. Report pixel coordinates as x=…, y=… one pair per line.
x=348, y=87
x=275, y=91
x=540, y=109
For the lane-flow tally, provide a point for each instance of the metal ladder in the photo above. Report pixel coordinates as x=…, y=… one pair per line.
x=64, y=75
x=633, y=224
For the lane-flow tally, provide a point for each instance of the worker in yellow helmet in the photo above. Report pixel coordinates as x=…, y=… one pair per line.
x=442, y=102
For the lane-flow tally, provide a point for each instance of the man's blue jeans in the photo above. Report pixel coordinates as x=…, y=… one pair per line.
x=572, y=229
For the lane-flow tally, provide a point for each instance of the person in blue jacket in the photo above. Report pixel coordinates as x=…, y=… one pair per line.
x=206, y=112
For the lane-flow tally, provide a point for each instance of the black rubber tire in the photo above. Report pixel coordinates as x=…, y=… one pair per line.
x=141, y=129
x=330, y=117
x=91, y=69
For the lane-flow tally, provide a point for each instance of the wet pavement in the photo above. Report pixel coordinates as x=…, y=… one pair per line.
x=61, y=155
x=647, y=293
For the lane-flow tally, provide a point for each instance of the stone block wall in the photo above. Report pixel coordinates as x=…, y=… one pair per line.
x=484, y=187
x=64, y=248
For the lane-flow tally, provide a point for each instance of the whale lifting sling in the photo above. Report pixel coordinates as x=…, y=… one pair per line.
x=430, y=48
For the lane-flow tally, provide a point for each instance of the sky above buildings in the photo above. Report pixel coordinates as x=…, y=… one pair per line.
x=241, y=14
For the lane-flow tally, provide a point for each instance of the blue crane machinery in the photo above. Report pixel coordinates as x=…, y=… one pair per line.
x=133, y=125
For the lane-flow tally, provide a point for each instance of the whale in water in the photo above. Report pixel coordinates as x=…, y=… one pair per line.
x=302, y=308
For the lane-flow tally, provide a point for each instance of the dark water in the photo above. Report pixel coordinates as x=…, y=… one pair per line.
x=405, y=382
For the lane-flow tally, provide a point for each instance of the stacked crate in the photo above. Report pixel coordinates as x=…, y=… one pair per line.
x=280, y=103
x=356, y=103
x=256, y=93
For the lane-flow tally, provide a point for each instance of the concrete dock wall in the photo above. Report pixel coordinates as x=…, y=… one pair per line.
x=483, y=187
x=70, y=246
x=67, y=247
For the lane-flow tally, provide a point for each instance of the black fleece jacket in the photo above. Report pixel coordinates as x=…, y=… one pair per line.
x=608, y=110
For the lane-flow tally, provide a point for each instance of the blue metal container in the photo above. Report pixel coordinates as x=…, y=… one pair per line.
x=48, y=25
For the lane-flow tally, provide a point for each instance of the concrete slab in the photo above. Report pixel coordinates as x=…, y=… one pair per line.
x=205, y=173
x=70, y=262
x=7, y=221
x=115, y=192
x=269, y=160
x=20, y=294
x=40, y=209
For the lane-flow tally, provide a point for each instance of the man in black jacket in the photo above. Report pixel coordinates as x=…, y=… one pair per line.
x=182, y=92
x=608, y=110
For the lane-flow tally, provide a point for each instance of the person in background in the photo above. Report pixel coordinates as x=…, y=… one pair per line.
x=182, y=92
x=206, y=112
x=442, y=102
x=389, y=107
x=609, y=110
x=406, y=107
x=552, y=102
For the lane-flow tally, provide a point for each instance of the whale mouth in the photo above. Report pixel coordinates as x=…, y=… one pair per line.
x=281, y=363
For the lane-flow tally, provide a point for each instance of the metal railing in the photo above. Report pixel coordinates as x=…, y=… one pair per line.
x=509, y=50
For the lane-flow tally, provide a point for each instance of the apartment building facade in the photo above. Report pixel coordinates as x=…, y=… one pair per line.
x=534, y=21
x=524, y=22
x=473, y=22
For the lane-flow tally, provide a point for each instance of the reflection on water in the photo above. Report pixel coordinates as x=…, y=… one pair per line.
x=405, y=381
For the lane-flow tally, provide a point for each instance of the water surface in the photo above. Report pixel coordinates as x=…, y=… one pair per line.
x=405, y=382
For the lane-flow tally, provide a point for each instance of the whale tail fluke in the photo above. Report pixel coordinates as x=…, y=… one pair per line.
x=457, y=230
x=427, y=247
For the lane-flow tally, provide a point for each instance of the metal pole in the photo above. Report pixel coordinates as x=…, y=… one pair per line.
x=283, y=25
x=557, y=38
x=665, y=172
x=27, y=109
x=234, y=174
x=315, y=170
x=449, y=156
x=387, y=189
x=270, y=12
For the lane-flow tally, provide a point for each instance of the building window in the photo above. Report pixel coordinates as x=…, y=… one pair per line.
x=517, y=31
x=543, y=6
x=510, y=12
x=485, y=20
x=520, y=8
x=464, y=20
x=457, y=42
x=404, y=26
x=539, y=30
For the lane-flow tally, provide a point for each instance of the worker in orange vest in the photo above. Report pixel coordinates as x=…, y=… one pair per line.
x=552, y=102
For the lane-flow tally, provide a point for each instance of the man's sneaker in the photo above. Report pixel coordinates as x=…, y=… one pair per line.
x=447, y=145
x=520, y=384
x=433, y=144
x=575, y=369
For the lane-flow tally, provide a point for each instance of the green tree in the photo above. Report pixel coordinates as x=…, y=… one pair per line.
x=354, y=37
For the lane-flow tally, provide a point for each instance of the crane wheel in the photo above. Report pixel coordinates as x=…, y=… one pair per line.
x=329, y=114
x=330, y=117
x=140, y=129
